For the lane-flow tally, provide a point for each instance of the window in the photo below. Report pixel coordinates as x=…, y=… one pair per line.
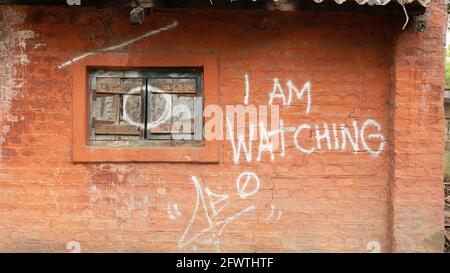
x=116, y=103
x=159, y=107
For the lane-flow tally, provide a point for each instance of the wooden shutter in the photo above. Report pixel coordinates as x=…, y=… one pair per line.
x=118, y=108
x=170, y=92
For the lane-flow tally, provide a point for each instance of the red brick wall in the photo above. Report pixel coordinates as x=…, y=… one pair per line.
x=359, y=67
x=418, y=139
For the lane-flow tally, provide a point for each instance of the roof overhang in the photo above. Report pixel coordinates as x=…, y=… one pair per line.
x=282, y=5
x=411, y=8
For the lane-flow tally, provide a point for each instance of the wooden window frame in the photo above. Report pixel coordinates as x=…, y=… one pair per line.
x=83, y=152
x=145, y=136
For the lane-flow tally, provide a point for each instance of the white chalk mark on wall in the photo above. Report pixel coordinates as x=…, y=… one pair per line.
x=216, y=201
x=210, y=235
x=374, y=247
x=353, y=139
x=281, y=132
x=354, y=136
x=242, y=188
x=274, y=216
x=296, y=137
x=76, y=59
x=161, y=191
x=308, y=138
x=74, y=247
x=241, y=143
x=278, y=93
x=367, y=123
x=124, y=44
x=265, y=145
x=166, y=113
x=173, y=211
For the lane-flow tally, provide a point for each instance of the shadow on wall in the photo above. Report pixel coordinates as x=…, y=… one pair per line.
x=447, y=207
x=447, y=162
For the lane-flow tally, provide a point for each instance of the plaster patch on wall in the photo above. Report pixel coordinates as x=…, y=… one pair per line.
x=12, y=52
x=161, y=191
x=117, y=193
x=13, y=57
x=13, y=64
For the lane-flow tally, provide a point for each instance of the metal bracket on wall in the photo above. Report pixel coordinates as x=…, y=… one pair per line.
x=140, y=10
x=419, y=22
